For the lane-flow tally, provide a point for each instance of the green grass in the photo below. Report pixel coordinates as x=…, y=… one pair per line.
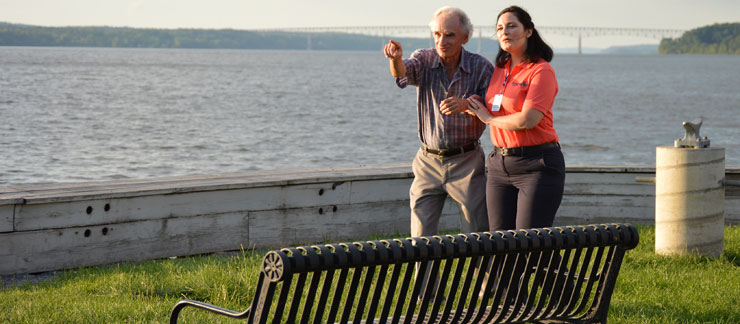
x=650, y=289
x=660, y=289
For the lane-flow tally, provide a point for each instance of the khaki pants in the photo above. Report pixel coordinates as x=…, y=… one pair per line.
x=462, y=177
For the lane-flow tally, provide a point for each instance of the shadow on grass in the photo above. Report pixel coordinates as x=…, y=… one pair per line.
x=25, y=279
x=669, y=314
x=732, y=257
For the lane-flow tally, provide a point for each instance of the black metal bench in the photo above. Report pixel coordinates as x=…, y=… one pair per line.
x=545, y=275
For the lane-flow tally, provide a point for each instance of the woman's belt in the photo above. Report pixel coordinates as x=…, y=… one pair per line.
x=525, y=150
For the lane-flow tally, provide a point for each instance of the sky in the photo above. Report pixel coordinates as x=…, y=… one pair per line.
x=250, y=14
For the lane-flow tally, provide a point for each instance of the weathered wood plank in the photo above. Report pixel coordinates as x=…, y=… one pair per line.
x=609, y=201
x=93, y=212
x=299, y=226
x=380, y=190
x=610, y=169
x=732, y=210
x=6, y=218
x=732, y=199
x=333, y=223
x=44, y=250
x=607, y=184
x=606, y=177
x=598, y=219
x=568, y=215
x=606, y=209
x=128, y=188
x=33, y=216
x=169, y=185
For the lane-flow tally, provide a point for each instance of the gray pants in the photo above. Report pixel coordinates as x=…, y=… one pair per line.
x=462, y=177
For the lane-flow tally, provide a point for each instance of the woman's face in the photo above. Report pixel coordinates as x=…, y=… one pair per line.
x=511, y=34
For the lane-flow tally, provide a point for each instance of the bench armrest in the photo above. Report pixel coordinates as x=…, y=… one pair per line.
x=211, y=308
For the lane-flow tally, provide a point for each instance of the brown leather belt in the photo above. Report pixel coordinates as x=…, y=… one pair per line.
x=450, y=152
x=525, y=150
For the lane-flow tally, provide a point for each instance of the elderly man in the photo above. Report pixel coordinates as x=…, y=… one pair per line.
x=450, y=160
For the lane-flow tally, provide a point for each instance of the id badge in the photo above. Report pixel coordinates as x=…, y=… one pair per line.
x=496, y=106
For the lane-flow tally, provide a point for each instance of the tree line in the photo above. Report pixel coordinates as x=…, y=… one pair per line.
x=714, y=39
x=28, y=35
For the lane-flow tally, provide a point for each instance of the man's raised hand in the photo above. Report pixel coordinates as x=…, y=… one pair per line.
x=393, y=50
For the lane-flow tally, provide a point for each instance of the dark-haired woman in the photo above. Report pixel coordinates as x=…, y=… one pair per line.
x=526, y=170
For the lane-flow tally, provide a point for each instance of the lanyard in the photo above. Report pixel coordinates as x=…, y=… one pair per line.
x=506, y=78
x=497, y=99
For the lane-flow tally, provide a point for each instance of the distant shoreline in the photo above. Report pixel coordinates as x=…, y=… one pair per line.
x=614, y=50
x=125, y=37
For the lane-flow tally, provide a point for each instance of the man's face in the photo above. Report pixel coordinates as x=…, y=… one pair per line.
x=449, y=36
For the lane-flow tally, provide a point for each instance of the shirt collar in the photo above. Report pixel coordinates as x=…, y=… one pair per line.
x=523, y=65
x=464, y=60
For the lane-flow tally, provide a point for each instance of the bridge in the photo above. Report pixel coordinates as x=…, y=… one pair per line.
x=486, y=31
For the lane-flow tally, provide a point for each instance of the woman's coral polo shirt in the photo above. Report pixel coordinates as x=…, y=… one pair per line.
x=530, y=85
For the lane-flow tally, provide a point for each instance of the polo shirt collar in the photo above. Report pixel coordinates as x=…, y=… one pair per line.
x=524, y=65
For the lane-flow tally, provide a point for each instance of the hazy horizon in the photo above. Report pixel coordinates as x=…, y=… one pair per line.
x=243, y=15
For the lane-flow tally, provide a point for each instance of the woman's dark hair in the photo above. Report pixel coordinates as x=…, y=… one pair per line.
x=536, y=47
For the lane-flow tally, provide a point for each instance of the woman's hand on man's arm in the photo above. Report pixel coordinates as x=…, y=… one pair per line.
x=523, y=120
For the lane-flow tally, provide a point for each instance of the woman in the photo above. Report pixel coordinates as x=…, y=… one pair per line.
x=526, y=170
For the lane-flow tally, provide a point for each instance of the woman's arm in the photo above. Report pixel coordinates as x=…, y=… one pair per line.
x=528, y=118
x=538, y=101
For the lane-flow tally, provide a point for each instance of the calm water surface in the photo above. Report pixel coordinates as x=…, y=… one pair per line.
x=89, y=114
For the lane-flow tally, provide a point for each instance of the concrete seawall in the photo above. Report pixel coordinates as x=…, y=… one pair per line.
x=53, y=227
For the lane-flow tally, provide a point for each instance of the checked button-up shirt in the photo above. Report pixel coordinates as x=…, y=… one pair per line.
x=425, y=70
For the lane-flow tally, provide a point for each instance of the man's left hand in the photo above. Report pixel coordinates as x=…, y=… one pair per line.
x=453, y=105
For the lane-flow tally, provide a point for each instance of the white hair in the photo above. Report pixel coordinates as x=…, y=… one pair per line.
x=464, y=20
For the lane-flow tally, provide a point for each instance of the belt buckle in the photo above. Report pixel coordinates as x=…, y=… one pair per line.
x=505, y=151
x=438, y=152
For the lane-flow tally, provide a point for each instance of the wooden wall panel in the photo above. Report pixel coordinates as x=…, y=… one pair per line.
x=380, y=190
x=44, y=250
x=150, y=207
x=327, y=223
x=6, y=218
x=301, y=226
x=49, y=228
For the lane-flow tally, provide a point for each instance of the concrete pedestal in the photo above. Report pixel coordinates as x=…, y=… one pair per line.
x=689, y=201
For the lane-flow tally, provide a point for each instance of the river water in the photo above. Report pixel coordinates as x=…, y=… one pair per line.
x=92, y=114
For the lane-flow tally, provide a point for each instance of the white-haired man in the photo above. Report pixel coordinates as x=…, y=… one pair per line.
x=450, y=160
